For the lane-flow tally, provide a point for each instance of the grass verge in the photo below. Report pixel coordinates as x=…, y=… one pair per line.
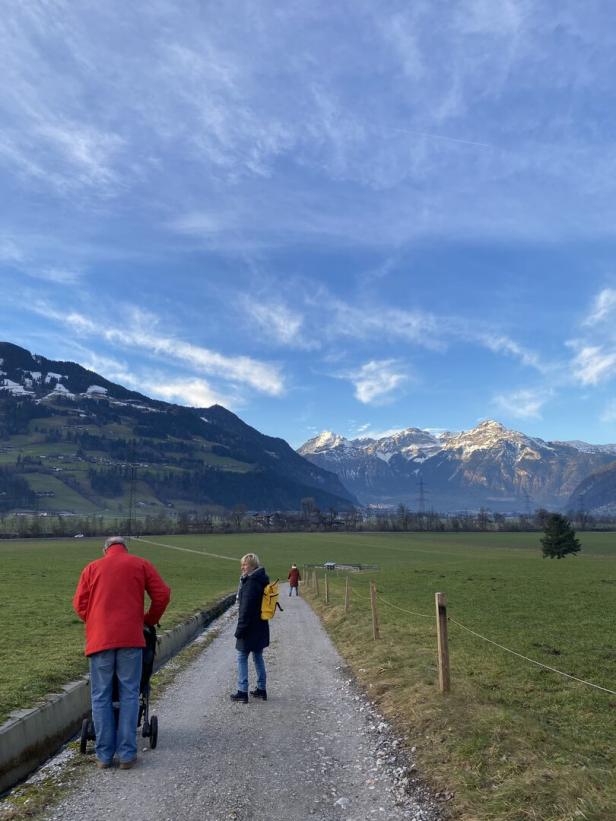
x=512, y=741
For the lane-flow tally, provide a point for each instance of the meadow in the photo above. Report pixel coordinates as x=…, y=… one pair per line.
x=510, y=741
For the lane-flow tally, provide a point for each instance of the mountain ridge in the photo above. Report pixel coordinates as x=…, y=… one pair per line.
x=488, y=465
x=61, y=424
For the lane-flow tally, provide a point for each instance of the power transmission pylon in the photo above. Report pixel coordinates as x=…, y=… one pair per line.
x=421, y=499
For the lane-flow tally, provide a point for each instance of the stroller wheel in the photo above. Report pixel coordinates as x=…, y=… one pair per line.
x=153, y=731
x=145, y=730
x=85, y=733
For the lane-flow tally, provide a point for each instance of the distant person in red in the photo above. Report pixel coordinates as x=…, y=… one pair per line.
x=294, y=580
x=110, y=599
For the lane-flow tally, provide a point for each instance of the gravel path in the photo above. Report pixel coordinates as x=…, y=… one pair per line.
x=314, y=750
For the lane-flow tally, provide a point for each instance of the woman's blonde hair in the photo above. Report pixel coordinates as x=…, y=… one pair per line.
x=251, y=559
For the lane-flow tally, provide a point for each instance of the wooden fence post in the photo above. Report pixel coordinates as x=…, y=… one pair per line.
x=442, y=642
x=326, y=580
x=316, y=583
x=375, y=615
x=346, y=596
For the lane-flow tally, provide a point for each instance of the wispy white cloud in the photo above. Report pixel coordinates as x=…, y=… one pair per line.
x=89, y=151
x=121, y=99
x=66, y=159
x=424, y=329
x=277, y=322
x=59, y=276
x=593, y=364
x=112, y=369
x=370, y=432
x=375, y=381
x=500, y=343
x=604, y=306
x=153, y=382
x=522, y=404
x=379, y=321
x=194, y=392
x=138, y=330
x=10, y=251
x=594, y=354
x=18, y=256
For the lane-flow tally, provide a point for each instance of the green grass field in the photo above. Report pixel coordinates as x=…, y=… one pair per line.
x=41, y=639
x=512, y=740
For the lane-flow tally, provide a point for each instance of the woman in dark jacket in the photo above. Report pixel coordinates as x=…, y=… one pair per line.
x=252, y=632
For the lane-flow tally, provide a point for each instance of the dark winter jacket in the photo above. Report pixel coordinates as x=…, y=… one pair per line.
x=252, y=633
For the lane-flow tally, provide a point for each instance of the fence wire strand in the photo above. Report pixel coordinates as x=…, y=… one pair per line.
x=355, y=593
x=532, y=661
x=410, y=612
x=491, y=641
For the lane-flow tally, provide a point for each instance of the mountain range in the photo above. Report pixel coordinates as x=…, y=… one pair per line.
x=72, y=441
x=488, y=466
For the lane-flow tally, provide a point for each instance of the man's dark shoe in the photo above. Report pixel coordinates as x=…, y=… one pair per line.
x=240, y=696
x=262, y=694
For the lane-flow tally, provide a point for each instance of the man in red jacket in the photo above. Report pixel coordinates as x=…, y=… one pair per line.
x=110, y=599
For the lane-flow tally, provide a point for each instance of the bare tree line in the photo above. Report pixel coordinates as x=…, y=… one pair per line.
x=309, y=518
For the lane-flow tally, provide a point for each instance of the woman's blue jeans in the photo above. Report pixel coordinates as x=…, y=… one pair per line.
x=242, y=670
x=115, y=736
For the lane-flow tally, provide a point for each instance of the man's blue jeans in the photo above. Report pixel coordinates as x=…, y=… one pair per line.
x=242, y=670
x=112, y=737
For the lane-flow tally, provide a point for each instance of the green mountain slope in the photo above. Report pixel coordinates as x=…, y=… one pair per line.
x=70, y=440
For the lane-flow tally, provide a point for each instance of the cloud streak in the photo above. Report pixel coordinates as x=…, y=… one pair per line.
x=277, y=322
x=376, y=381
x=604, y=307
x=138, y=332
x=522, y=404
x=593, y=364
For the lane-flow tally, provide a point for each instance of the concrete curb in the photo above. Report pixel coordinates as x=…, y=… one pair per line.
x=30, y=737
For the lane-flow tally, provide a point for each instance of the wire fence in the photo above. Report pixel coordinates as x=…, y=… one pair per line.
x=378, y=597
x=532, y=661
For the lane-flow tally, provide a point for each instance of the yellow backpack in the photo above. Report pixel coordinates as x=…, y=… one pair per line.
x=270, y=602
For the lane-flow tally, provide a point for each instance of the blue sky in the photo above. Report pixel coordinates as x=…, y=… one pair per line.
x=359, y=216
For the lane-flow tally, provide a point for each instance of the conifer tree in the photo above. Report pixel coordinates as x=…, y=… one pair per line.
x=559, y=537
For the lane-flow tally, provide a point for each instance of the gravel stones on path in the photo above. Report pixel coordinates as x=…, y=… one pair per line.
x=315, y=750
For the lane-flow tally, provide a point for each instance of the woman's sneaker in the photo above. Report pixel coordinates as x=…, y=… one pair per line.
x=262, y=694
x=240, y=696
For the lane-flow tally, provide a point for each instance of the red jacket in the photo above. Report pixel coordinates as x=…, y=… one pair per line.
x=110, y=597
x=294, y=576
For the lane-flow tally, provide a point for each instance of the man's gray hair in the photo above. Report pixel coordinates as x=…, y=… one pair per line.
x=115, y=540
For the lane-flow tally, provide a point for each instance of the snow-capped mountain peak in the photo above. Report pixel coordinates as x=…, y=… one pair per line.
x=489, y=465
x=326, y=440
x=586, y=447
x=489, y=435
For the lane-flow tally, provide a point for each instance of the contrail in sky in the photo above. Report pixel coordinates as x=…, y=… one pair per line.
x=441, y=137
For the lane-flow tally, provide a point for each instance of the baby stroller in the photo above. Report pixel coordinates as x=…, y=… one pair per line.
x=147, y=722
